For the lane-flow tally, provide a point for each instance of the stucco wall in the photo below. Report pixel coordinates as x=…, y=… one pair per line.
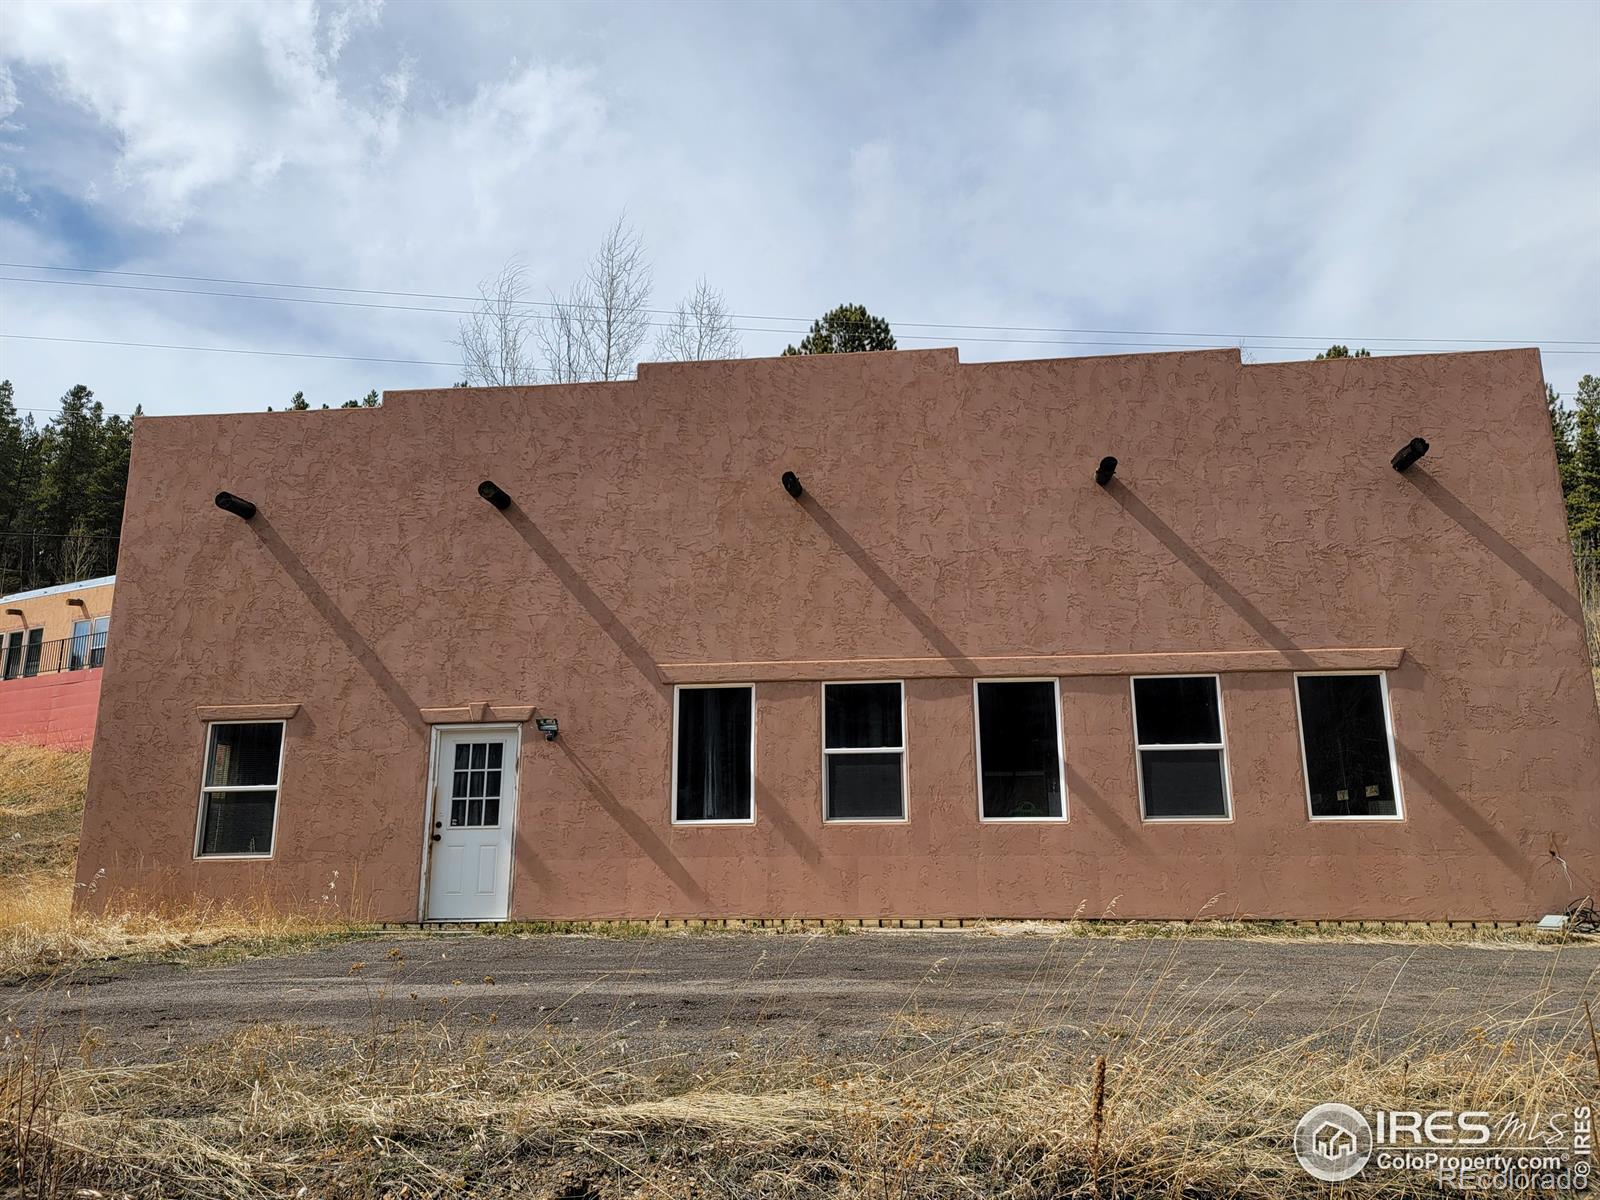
x=950, y=519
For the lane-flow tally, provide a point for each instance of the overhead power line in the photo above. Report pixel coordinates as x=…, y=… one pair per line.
x=1228, y=338
x=39, y=337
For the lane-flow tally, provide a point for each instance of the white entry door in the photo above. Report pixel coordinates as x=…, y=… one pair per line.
x=474, y=803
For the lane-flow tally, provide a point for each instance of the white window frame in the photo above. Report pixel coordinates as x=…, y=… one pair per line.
x=206, y=790
x=1388, y=728
x=1140, y=747
x=905, y=775
x=672, y=783
x=1061, y=750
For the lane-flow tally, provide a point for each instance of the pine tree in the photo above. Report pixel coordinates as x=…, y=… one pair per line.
x=1344, y=352
x=71, y=446
x=108, y=486
x=1563, y=428
x=846, y=330
x=12, y=451
x=1583, y=503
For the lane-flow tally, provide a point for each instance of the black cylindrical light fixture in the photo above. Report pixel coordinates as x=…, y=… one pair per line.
x=491, y=492
x=791, y=484
x=1106, y=469
x=237, y=505
x=1409, y=453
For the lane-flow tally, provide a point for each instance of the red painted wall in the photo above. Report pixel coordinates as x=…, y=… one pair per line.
x=51, y=710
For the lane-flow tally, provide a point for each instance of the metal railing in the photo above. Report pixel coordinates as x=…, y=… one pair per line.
x=19, y=660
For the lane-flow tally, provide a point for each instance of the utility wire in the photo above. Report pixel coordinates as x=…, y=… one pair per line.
x=1229, y=338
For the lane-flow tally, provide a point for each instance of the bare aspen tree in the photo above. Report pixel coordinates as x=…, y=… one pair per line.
x=496, y=338
x=597, y=331
x=701, y=328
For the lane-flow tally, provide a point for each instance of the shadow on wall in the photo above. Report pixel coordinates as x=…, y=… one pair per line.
x=601, y=612
x=1208, y=575
x=881, y=579
x=338, y=622
x=635, y=827
x=1498, y=844
x=1452, y=506
x=770, y=808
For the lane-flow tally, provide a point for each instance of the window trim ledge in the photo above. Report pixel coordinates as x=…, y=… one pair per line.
x=210, y=713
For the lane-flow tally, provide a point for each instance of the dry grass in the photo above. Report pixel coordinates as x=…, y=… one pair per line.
x=41, y=814
x=1192, y=1108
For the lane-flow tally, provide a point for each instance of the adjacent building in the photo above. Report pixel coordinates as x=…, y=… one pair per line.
x=869, y=635
x=52, y=650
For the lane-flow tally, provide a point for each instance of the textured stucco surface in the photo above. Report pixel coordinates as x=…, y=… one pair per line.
x=950, y=515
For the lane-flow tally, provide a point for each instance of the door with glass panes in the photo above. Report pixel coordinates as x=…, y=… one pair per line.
x=470, y=835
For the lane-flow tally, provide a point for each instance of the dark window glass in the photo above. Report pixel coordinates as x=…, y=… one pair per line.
x=35, y=650
x=1183, y=783
x=1178, y=711
x=238, y=823
x=11, y=666
x=715, y=728
x=1019, y=750
x=865, y=787
x=862, y=716
x=244, y=755
x=1346, y=740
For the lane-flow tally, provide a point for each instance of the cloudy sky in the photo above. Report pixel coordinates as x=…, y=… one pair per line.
x=1018, y=179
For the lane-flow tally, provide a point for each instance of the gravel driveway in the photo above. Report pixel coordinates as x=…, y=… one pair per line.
x=844, y=994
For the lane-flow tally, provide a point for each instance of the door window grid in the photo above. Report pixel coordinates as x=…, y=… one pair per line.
x=475, y=786
x=1189, y=752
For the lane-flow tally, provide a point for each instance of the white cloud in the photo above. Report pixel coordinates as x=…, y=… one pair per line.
x=1348, y=172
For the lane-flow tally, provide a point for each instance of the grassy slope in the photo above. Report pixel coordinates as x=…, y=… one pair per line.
x=41, y=810
x=41, y=815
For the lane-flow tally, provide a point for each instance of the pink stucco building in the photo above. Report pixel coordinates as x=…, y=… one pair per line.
x=941, y=672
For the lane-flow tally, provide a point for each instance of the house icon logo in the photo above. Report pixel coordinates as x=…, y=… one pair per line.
x=1333, y=1142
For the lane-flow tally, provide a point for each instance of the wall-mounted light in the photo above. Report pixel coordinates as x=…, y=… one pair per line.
x=1409, y=453
x=1106, y=469
x=491, y=492
x=237, y=505
x=548, y=726
x=79, y=601
x=13, y=612
x=791, y=484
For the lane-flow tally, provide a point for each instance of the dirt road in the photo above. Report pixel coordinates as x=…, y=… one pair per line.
x=835, y=994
